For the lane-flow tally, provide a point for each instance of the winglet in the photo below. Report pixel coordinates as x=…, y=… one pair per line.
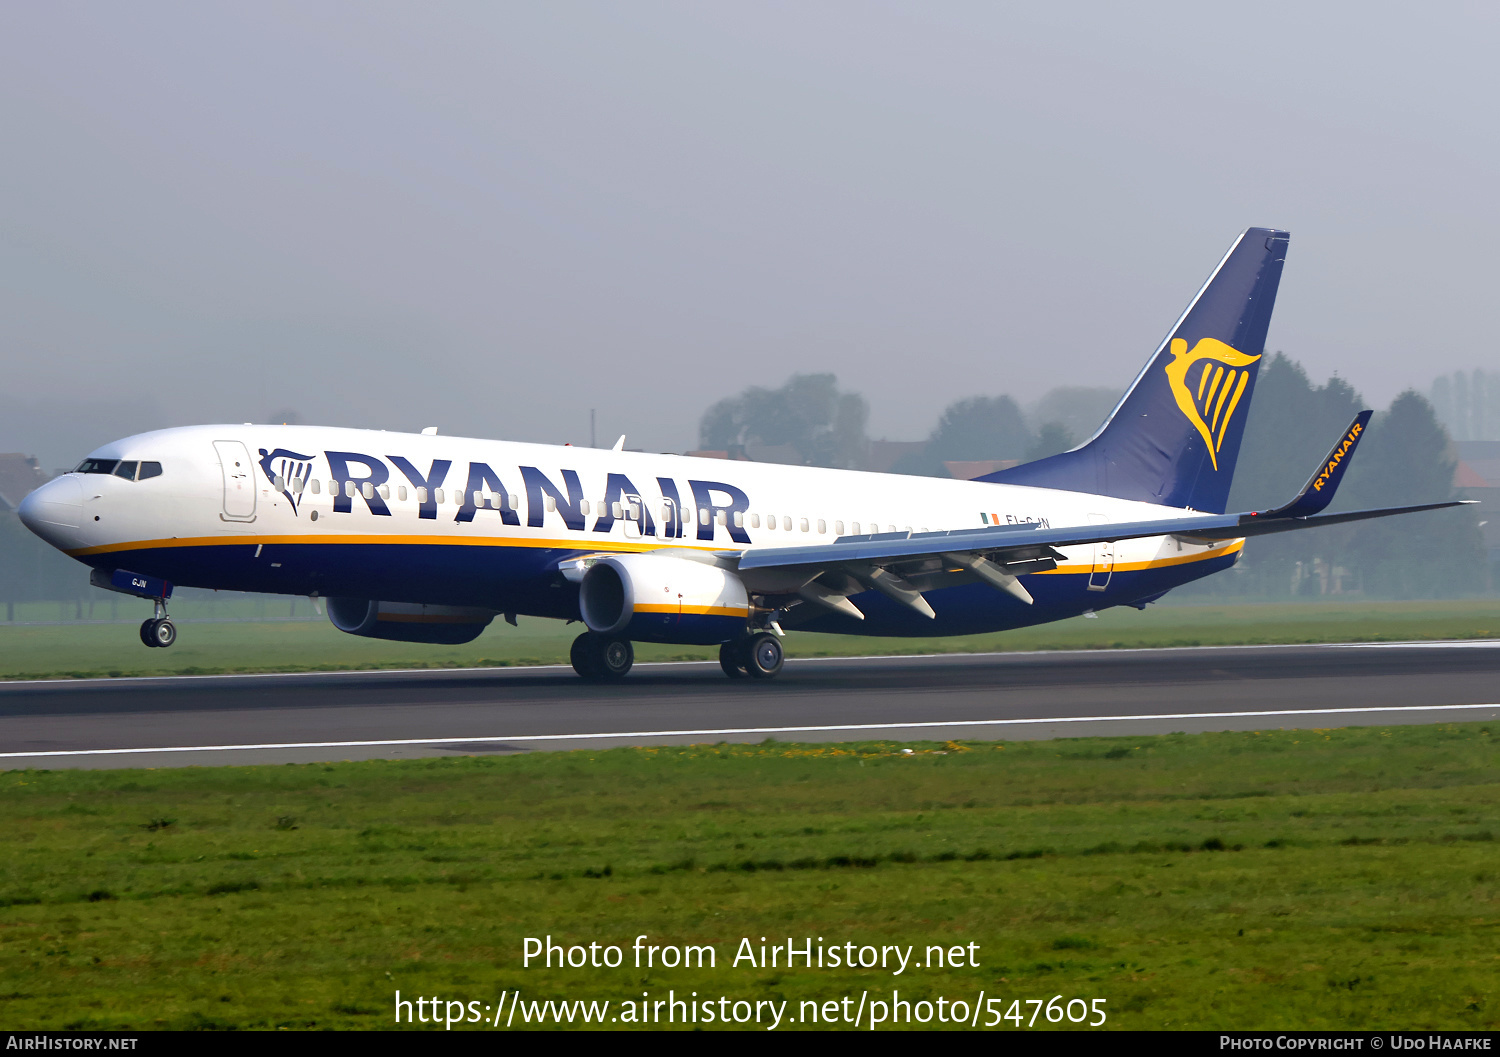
x=1318, y=492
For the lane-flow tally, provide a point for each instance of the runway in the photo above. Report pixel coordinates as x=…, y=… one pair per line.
x=217, y=720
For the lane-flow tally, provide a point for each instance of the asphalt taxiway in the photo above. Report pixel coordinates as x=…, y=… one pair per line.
x=238, y=719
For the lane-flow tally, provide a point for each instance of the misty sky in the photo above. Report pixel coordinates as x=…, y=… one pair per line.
x=492, y=217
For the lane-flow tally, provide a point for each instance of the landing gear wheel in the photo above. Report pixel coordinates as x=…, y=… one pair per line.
x=164, y=633
x=148, y=633
x=581, y=657
x=613, y=658
x=732, y=659
x=601, y=658
x=763, y=656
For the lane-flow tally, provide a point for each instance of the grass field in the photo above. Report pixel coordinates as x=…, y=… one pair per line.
x=1297, y=879
x=33, y=650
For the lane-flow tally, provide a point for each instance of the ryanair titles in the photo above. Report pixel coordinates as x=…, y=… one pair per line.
x=354, y=476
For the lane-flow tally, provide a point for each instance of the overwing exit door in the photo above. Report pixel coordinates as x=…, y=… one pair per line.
x=670, y=526
x=1104, y=558
x=239, y=480
x=634, y=511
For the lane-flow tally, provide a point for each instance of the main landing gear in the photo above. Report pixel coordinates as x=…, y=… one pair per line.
x=159, y=630
x=758, y=656
x=601, y=658
x=607, y=659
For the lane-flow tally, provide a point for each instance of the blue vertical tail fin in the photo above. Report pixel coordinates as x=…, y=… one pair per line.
x=1175, y=436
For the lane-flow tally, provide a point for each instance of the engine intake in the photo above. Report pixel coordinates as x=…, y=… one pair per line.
x=408, y=622
x=656, y=598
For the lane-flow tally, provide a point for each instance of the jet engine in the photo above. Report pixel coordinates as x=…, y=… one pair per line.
x=408, y=622
x=658, y=598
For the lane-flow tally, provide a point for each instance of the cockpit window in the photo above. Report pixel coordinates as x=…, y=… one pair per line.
x=129, y=469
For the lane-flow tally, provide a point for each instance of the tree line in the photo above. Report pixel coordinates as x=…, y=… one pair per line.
x=1405, y=458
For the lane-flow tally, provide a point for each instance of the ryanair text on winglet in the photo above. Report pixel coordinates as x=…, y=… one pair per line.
x=1338, y=456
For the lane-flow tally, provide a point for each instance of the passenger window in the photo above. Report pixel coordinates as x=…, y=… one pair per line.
x=515, y=502
x=333, y=488
x=804, y=524
x=401, y=492
x=422, y=496
x=617, y=510
x=854, y=529
x=549, y=503
x=148, y=471
x=126, y=470
x=822, y=527
x=703, y=515
x=838, y=528
x=583, y=507
x=771, y=522
x=755, y=521
x=367, y=490
x=437, y=496
x=385, y=491
x=786, y=522
x=739, y=519
x=316, y=487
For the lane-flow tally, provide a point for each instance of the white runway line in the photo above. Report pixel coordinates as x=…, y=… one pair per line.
x=721, y=731
x=1436, y=644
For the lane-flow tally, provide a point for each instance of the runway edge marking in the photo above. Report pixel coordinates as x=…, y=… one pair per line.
x=522, y=669
x=924, y=725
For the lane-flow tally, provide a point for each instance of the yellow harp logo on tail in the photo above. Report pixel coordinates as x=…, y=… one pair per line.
x=1208, y=383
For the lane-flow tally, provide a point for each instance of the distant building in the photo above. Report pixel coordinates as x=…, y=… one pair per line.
x=884, y=454
x=19, y=475
x=968, y=469
x=1477, y=476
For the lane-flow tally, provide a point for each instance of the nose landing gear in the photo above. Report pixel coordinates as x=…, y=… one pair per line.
x=159, y=630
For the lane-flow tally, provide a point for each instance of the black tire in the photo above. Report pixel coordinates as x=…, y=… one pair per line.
x=612, y=658
x=148, y=633
x=582, y=656
x=165, y=633
x=732, y=659
x=763, y=656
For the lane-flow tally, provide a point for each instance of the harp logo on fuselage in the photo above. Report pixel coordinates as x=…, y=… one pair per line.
x=1208, y=384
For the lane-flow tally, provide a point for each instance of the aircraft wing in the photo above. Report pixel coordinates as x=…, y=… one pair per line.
x=903, y=564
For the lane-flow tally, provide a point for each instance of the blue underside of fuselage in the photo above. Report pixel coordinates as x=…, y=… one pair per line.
x=525, y=580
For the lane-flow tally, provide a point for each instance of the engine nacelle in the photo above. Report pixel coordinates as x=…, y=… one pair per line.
x=657, y=598
x=408, y=622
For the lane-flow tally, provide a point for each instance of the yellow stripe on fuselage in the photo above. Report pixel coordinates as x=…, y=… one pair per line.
x=696, y=611
x=610, y=545
x=1154, y=563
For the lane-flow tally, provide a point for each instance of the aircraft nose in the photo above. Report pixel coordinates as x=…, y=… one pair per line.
x=55, y=511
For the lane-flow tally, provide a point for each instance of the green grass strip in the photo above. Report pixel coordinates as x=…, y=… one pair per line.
x=1277, y=879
